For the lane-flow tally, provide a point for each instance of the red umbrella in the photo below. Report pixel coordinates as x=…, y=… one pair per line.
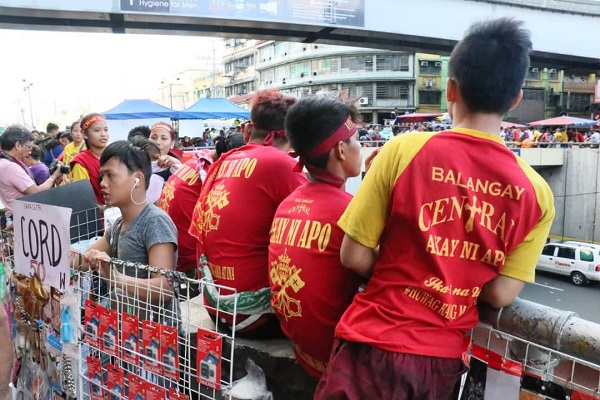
x=506, y=124
x=415, y=117
x=564, y=121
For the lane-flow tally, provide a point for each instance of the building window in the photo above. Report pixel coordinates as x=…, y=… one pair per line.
x=533, y=94
x=240, y=89
x=579, y=102
x=240, y=63
x=266, y=77
x=392, y=90
x=358, y=90
x=430, y=96
x=553, y=74
x=391, y=62
x=282, y=74
x=281, y=49
x=533, y=74
x=325, y=66
x=266, y=53
x=430, y=67
x=357, y=63
x=300, y=70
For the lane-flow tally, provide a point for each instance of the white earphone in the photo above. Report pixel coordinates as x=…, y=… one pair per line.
x=136, y=182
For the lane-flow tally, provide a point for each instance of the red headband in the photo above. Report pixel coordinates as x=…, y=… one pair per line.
x=342, y=133
x=164, y=126
x=91, y=121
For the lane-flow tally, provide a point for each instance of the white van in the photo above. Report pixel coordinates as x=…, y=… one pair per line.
x=580, y=261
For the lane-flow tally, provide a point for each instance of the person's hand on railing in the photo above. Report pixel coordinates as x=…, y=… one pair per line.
x=370, y=158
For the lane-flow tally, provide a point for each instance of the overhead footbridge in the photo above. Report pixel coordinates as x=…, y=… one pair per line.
x=563, y=31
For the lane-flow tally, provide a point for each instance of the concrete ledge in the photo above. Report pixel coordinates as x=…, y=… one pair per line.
x=285, y=377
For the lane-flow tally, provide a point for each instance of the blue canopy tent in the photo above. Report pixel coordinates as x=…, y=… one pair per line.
x=131, y=113
x=139, y=109
x=214, y=108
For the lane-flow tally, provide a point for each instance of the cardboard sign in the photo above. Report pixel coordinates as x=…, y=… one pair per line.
x=42, y=242
x=130, y=338
x=210, y=347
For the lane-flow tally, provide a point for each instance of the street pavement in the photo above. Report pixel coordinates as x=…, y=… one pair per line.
x=558, y=292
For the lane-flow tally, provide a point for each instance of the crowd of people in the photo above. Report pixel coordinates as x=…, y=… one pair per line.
x=375, y=292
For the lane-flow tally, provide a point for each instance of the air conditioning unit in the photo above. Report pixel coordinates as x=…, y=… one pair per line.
x=315, y=73
x=316, y=46
x=429, y=83
x=552, y=70
x=438, y=64
x=363, y=101
x=534, y=70
x=583, y=79
x=424, y=63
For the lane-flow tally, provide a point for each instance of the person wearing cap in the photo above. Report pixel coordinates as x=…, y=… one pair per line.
x=164, y=136
x=234, y=213
x=310, y=288
x=86, y=164
x=441, y=222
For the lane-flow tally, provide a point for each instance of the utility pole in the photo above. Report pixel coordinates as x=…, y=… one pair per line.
x=214, y=72
x=27, y=87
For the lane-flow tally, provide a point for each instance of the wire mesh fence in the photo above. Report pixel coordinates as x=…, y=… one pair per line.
x=120, y=330
x=503, y=366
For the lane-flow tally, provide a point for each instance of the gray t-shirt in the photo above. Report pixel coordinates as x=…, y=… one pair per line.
x=151, y=226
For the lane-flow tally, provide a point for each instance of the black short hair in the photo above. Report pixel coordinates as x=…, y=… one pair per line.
x=312, y=120
x=65, y=135
x=142, y=130
x=36, y=153
x=147, y=145
x=490, y=64
x=14, y=134
x=51, y=127
x=134, y=158
x=224, y=144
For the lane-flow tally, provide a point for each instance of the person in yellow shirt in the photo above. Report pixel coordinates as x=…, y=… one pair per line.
x=76, y=146
x=536, y=135
x=561, y=137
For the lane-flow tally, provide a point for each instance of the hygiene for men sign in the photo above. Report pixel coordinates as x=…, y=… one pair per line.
x=42, y=242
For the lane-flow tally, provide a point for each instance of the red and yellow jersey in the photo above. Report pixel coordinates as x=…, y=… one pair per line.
x=450, y=211
x=310, y=289
x=178, y=198
x=234, y=225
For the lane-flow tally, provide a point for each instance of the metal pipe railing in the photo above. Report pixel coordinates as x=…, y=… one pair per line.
x=559, y=330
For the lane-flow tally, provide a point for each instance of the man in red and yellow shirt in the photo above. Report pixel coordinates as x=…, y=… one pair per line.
x=310, y=289
x=234, y=215
x=440, y=222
